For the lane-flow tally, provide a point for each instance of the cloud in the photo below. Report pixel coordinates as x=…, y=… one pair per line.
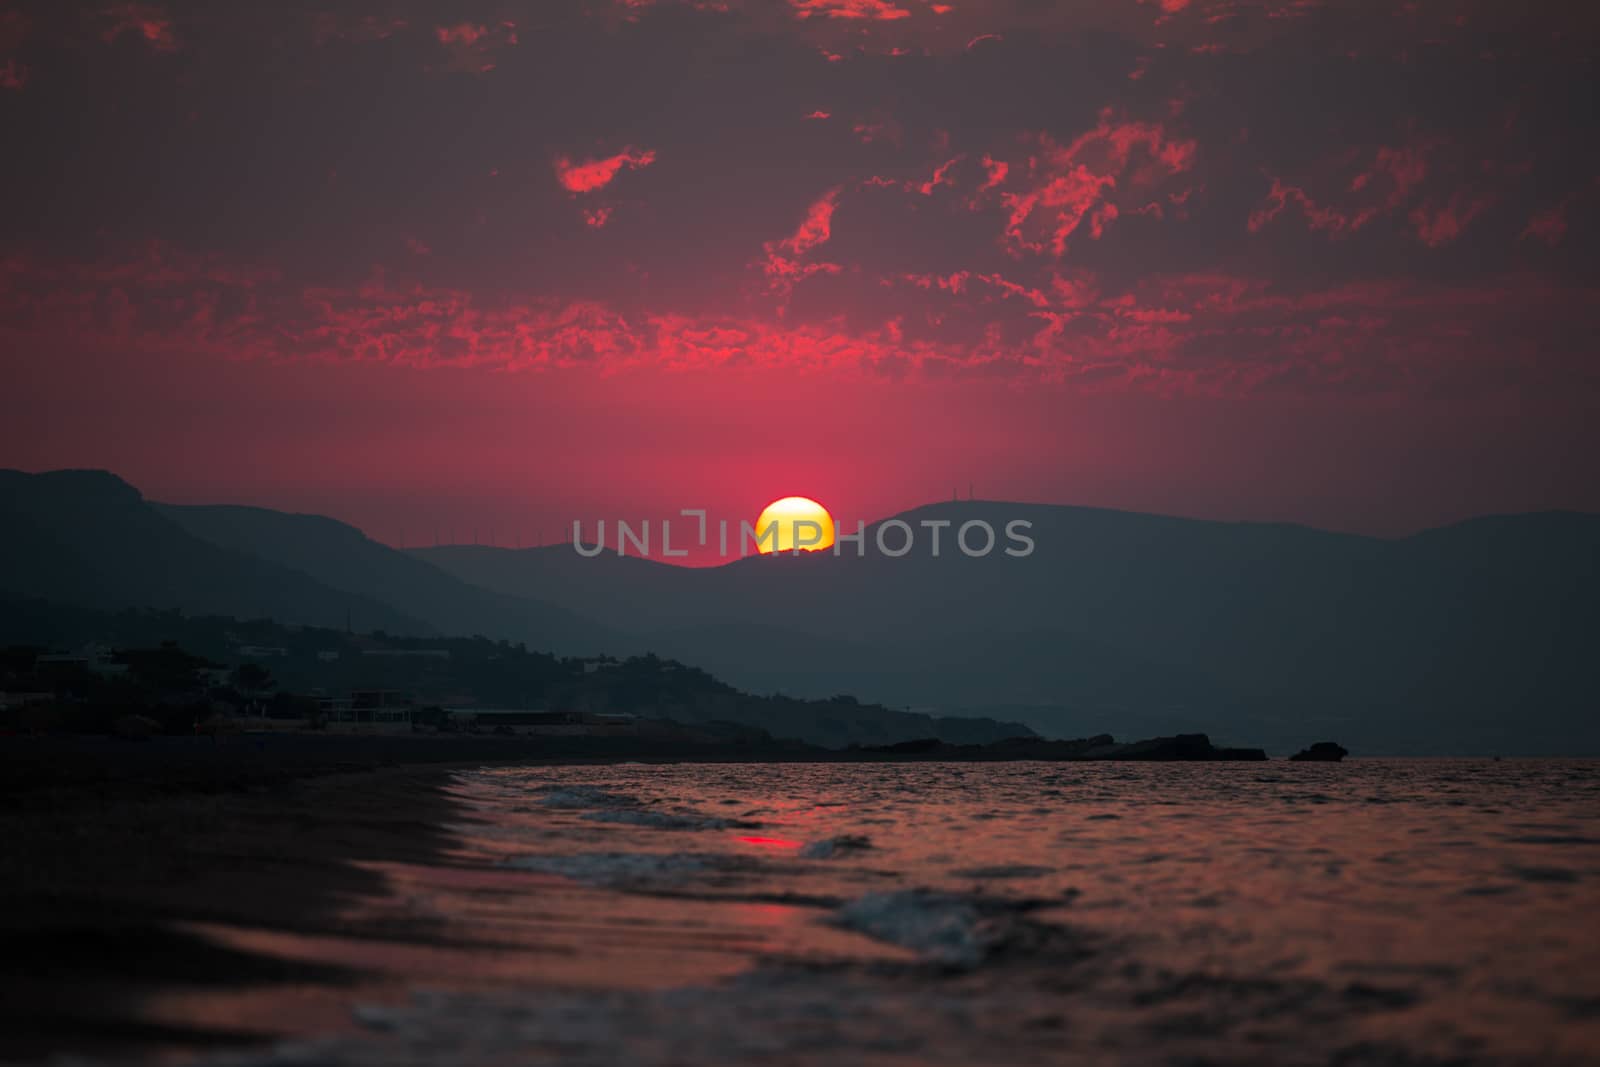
x=327, y=27
x=1318, y=216
x=1207, y=333
x=1547, y=226
x=144, y=22
x=589, y=175
x=880, y=10
x=782, y=265
x=472, y=45
x=1396, y=178
x=1060, y=187
x=1439, y=224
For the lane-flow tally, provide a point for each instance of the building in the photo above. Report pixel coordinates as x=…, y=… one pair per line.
x=91, y=657
x=369, y=710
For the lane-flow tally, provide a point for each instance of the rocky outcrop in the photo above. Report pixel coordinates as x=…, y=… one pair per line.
x=1177, y=748
x=1182, y=747
x=1321, y=752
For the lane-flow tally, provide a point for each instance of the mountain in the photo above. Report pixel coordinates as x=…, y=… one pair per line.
x=1470, y=638
x=341, y=556
x=89, y=539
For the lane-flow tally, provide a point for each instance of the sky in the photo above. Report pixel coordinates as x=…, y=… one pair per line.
x=457, y=271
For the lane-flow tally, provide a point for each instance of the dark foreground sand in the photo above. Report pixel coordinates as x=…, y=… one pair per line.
x=106, y=845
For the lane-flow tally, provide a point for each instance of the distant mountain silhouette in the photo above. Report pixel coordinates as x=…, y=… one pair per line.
x=89, y=539
x=1477, y=637
x=1473, y=638
x=341, y=556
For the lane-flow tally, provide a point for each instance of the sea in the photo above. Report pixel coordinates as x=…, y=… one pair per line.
x=1386, y=912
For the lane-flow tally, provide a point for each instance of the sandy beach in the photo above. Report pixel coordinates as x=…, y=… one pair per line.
x=108, y=857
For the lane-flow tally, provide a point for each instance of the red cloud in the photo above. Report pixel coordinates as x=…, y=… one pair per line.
x=13, y=75
x=1406, y=167
x=1318, y=217
x=782, y=265
x=879, y=10
x=472, y=44
x=817, y=227
x=590, y=174
x=940, y=177
x=1066, y=185
x=996, y=171
x=148, y=23
x=1547, y=226
x=328, y=27
x=1214, y=333
x=1438, y=225
x=464, y=33
x=1384, y=187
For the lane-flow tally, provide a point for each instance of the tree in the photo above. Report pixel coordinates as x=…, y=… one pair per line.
x=253, y=678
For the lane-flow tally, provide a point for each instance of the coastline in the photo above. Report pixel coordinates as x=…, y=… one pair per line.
x=229, y=904
x=80, y=766
x=115, y=847
x=102, y=875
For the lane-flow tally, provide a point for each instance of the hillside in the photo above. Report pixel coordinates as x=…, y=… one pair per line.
x=88, y=538
x=341, y=556
x=1470, y=638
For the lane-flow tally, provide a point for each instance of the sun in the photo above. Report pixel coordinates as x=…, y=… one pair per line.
x=798, y=518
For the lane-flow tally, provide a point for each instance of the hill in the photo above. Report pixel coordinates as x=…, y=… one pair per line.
x=88, y=538
x=1468, y=639
x=341, y=556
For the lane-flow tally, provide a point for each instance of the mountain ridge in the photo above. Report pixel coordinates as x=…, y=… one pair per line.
x=1476, y=632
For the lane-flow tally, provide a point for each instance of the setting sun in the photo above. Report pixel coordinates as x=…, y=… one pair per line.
x=798, y=518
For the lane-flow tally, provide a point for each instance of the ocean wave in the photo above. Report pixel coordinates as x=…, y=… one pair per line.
x=829, y=847
x=583, y=796
x=941, y=927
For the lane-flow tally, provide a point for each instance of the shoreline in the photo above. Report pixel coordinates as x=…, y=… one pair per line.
x=101, y=882
x=107, y=767
x=159, y=918
x=115, y=849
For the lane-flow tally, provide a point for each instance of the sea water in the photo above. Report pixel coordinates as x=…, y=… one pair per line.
x=1367, y=912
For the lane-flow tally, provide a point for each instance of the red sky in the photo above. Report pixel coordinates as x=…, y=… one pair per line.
x=438, y=268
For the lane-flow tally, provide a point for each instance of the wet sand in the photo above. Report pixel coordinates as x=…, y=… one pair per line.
x=110, y=858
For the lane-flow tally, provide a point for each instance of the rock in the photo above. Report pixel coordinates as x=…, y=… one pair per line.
x=1321, y=752
x=1181, y=747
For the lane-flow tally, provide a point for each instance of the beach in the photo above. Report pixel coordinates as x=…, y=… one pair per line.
x=110, y=857
x=346, y=911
